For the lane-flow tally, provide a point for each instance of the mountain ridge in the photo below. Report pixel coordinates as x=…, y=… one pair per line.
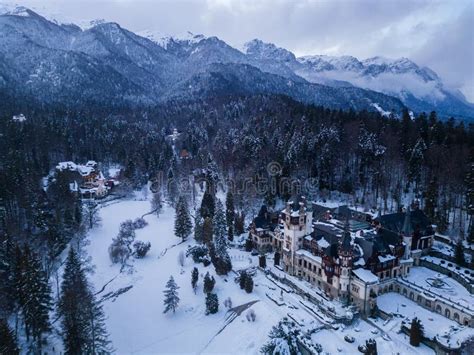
x=148, y=69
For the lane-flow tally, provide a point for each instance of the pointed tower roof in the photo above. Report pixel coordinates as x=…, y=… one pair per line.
x=407, y=228
x=379, y=214
x=346, y=237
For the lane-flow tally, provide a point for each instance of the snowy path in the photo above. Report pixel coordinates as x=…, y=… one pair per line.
x=232, y=314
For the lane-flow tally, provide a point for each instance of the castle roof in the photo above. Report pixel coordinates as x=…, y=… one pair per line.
x=365, y=275
x=406, y=222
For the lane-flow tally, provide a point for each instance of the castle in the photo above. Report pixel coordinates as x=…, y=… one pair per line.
x=352, y=258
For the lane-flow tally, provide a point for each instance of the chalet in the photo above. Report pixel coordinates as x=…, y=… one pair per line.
x=85, y=179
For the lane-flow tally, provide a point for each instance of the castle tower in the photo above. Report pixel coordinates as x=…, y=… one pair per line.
x=297, y=223
x=407, y=233
x=345, y=253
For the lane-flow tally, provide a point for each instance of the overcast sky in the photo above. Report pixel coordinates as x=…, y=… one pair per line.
x=438, y=34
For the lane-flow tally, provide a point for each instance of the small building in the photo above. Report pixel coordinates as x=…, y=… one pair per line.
x=87, y=179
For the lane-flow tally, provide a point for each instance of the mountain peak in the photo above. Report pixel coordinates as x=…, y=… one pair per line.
x=19, y=11
x=164, y=40
x=258, y=49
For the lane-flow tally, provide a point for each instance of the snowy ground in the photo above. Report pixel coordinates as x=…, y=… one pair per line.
x=452, y=290
x=447, y=331
x=135, y=318
x=134, y=299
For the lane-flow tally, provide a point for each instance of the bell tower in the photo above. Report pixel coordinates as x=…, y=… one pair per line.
x=297, y=223
x=345, y=254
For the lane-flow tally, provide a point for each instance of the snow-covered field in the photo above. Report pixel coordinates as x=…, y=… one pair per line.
x=134, y=299
x=447, y=331
x=135, y=318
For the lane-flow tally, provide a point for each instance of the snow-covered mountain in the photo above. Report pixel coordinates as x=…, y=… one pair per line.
x=419, y=88
x=54, y=62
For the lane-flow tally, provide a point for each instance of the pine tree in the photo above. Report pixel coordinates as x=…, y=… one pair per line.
x=212, y=303
x=262, y=261
x=194, y=278
x=431, y=199
x=371, y=347
x=171, y=300
x=283, y=339
x=212, y=176
x=243, y=279
x=99, y=342
x=207, y=205
x=459, y=254
x=207, y=231
x=82, y=317
x=172, y=182
x=8, y=344
x=34, y=296
x=219, y=225
x=239, y=224
x=415, y=162
x=248, y=244
x=198, y=229
x=248, y=284
x=416, y=332
x=182, y=224
x=7, y=276
x=209, y=283
x=230, y=214
x=221, y=258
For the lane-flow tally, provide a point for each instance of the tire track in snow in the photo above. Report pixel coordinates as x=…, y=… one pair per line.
x=233, y=314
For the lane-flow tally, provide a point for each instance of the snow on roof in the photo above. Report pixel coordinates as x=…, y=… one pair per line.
x=365, y=275
x=84, y=170
x=360, y=262
x=19, y=118
x=323, y=243
x=66, y=165
x=308, y=237
x=308, y=254
x=386, y=258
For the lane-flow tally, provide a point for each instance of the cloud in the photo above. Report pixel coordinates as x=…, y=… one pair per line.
x=450, y=52
x=434, y=33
